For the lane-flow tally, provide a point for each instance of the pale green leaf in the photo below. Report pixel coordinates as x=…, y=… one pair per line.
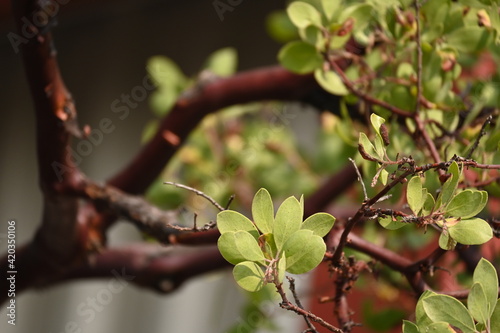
x=229, y=220
x=222, y=62
x=320, y=223
x=429, y=203
x=303, y=14
x=263, y=211
x=288, y=220
x=367, y=145
x=486, y=274
x=478, y=304
x=446, y=242
x=239, y=246
x=440, y=327
x=420, y=316
x=304, y=251
x=376, y=121
x=361, y=13
x=471, y=231
x=165, y=72
x=300, y=57
x=409, y=327
x=391, y=224
x=249, y=276
x=467, y=204
x=450, y=185
x=414, y=195
x=468, y=38
x=330, y=8
x=331, y=82
x=444, y=308
x=282, y=267
x=495, y=318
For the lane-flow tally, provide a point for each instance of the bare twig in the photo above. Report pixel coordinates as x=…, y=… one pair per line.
x=291, y=280
x=198, y=192
x=360, y=179
x=480, y=135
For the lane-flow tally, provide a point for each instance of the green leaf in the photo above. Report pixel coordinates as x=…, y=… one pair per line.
x=414, y=195
x=467, y=204
x=165, y=72
x=300, y=57
x=429, y=204
x=304, y=251
x=320, y=224
x=486, y=274
x=391, y=224
x=249, y=276
x=282, y=267
x=420, y=316
x=495, y=318
x=229, y=220
x=331, y=82
x=450, y=185
x=446, y=242
x=330, y=8
x=303, y=14
x=288, y=220
x=409, y=327
x=471, y=231
x=263, y=211
x=444, y=308
x=468, y=38
x=162, y=100
x=361, y=13
x=478, y=304
x=239, y=246
x=440, y=327
x=367, y=145
x=280, y=27
x=223, y=62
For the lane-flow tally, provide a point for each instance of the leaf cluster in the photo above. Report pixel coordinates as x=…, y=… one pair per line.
x=263, y=250
x=443, y=314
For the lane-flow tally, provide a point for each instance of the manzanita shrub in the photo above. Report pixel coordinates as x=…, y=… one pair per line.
x=444, y=314
x=265, y=249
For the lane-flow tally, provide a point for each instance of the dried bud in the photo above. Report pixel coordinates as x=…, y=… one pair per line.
x=385, y=134
x=364, y=154
x=346, y=27
x=448, y=61
x=483, y=19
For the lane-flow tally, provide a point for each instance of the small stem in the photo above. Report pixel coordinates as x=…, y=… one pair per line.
x=198, y=192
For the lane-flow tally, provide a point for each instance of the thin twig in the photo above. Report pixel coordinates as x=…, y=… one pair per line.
x=310, y=325
x=481, y=134
x=360, y=179
x=197, y=192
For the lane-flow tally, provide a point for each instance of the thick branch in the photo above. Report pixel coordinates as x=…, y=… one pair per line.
x=274, y=83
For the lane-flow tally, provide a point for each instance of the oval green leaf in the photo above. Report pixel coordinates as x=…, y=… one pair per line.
x=471, y=231
x=390, y=224
x=303, y=251
x=440, y=327
x=409, y=327
x=444, y=308
x=249, y=276
x=495, y=318
x=263, y=211
x=300, y=57
x=486, y=274
x=414, y=195
x=229, y=220
x=288, y=220
x=478, y=304
x=331, y=82
x=320, y=224
x=467, y=204
x=223, y=62
x=303, y=14
x=239, y=246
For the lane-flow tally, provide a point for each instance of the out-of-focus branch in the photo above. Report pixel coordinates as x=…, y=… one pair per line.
x=273, y=83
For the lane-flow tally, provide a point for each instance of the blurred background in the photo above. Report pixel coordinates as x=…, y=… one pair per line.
x=103, y=47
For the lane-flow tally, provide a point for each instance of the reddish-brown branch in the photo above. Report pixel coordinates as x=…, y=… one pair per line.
x=273, y=83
